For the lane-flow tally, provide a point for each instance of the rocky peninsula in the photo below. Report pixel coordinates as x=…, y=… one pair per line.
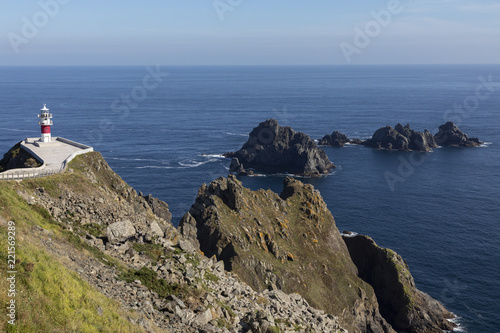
x=290, y=242
x=275, y=149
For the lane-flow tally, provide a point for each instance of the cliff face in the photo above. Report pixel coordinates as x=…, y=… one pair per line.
x=275, y=149
x=288, y=242
x=17, y=157
x=404, y=306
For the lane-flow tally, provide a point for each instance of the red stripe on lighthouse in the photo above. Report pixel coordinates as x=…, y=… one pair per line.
x=45, y=129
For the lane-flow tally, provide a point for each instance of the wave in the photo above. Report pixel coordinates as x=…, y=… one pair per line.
x=155, y=167
x=235, y=134
x=455, y=321
x=485, y=144
x=194, y=164
x=213, y=156
x=350, y=234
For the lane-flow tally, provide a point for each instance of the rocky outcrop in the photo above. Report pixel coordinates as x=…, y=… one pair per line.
x=91, y=209
x=450, y=135
x=275, y=149
x=159, y=208
x=401, y=138
x=285, y=242
x=404, y=306
x=336, y=139
x=16, y=158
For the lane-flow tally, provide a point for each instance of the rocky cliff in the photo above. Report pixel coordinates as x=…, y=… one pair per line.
x=275, y=149
x=401, y=138
x=17, y=157
x=404, y=306
x=94, y=255
x=283, y=242
x=450, y=135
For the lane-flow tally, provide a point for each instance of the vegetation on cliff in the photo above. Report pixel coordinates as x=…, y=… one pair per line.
x=288, y=242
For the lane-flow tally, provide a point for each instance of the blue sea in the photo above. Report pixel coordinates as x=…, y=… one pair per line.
x=163, y=129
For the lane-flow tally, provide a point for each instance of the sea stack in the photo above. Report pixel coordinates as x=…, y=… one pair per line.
x=401, y=138
x=450, y=135
x=276, y=149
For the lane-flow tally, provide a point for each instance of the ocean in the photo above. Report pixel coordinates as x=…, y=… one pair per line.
x=163, y=129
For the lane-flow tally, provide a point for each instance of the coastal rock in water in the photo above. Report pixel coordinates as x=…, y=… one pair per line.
x=120, y=231
x=404, y=306
x=287, y=242
x=401, y=138
x=450, y=135
x=336, y=139
x=275, y=149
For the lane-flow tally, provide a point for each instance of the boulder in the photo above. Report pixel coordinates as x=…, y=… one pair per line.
x=404, y=306
x=401, y=138
x=450, y=135
x=120, y=232
x=275, y=149
x=336, y=139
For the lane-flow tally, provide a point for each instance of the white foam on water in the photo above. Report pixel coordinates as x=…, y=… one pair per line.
x=195, y=164
x=352, y=234
x=213, y=156
x=235, y=134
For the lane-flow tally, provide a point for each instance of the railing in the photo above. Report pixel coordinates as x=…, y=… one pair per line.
x=20, y=174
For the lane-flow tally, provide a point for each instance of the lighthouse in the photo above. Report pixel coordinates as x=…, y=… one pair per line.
x=45, y=122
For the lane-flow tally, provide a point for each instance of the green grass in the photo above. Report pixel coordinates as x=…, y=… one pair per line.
x=50, y=298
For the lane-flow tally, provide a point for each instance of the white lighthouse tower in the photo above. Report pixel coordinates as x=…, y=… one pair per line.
x=45, y=122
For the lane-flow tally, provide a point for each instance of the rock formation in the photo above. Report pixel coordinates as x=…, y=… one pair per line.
x=336, y=139
x=17, y=157
x=450, y=135
x=404, y=306
x=286, y=242
x=274, y=149
x=401, y=138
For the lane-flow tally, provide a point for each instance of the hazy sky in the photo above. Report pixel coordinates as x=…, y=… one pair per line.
x=248, y=32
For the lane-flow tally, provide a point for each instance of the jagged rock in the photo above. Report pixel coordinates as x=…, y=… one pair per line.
x=119, y=232
x=155, y=229
x=401, y=138
x=404, y=306
x=450, y=135
x=17, y=157
x=336, y=139
x=159, y=208
x=256, y=238
x=275, y=149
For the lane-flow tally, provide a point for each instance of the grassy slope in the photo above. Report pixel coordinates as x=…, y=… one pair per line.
x=50, y=297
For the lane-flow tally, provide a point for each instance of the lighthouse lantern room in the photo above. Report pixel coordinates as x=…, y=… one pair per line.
x=45, y=122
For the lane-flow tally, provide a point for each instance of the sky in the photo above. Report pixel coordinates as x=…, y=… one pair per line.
x=249, y=32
